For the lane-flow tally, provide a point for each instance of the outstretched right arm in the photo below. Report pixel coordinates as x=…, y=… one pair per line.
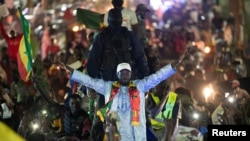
x=84, y=79
x=97, y=84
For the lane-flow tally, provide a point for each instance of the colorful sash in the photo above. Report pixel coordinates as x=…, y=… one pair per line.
x=134, y=101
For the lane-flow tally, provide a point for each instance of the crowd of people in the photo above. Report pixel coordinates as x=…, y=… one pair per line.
x=112, y=84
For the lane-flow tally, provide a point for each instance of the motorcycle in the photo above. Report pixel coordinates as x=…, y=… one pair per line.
x=229, y=112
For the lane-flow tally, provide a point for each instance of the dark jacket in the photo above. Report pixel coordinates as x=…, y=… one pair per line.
x=95, y=66
x=76, y=125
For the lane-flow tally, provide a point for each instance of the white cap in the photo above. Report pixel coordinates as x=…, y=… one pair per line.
x=123, y=66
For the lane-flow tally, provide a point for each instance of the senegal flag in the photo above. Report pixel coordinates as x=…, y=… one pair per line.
x=91, y=19
x=24, y=55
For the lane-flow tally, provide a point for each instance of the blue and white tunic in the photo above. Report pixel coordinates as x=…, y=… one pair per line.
x=121, y=102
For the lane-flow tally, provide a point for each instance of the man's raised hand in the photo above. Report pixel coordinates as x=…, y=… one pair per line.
x=176, y=62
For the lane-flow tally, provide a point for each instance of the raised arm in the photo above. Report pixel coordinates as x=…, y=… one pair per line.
x=162, y=74
x=84, y=79
x=4, y=34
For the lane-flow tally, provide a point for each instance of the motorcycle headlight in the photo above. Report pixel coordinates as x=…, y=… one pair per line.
x=44, y=112
x=35, y=126
x=231, y=99
x=207, y=92
x=196, y=115
x=227, y=94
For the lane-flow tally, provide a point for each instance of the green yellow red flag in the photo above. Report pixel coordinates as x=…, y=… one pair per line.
x=24, y=55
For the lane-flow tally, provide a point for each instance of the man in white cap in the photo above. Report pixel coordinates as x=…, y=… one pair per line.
x=113, y=45
x=125, y=97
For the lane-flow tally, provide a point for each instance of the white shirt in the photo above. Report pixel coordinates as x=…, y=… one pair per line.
x=6, y=111
x=128, y=18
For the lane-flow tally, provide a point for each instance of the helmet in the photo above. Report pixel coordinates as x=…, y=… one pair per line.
x=142, y=8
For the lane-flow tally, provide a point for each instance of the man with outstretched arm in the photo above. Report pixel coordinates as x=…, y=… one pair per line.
x=125, y=97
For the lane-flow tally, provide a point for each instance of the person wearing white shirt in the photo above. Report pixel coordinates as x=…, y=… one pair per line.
x=129, y=18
